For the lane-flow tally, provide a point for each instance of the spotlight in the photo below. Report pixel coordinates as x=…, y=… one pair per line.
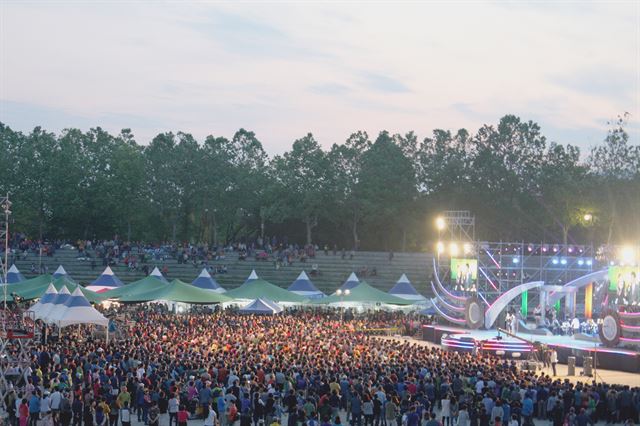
x=467, y=248
x=440, y=223
x=587, y=217
x=554, y=261
x=515, y=260
x=628, y=254
x=545, y=248
x=612, y=263
x=589, y=262
x=580, y=262
x=555, y=249
x=563, y=261
x=440, y=247
x=453, y=249
x=570, y=249
x=530, y=248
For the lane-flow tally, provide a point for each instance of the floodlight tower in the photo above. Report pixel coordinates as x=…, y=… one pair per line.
x=17, y=328
x=456, y=235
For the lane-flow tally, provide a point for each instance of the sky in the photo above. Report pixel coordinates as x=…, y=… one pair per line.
x=285, y=69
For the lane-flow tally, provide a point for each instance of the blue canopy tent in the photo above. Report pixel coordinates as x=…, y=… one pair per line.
x=304, y=287
x=406, y=290
x=207, y=282
x=13, y=275
x=261, y=306
x=351, y=282
x=105, y=282
x=60, y=272
x=157, y=274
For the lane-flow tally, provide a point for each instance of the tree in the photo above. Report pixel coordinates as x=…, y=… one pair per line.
x=388, y=187
x=345, y=162
x=303, y=175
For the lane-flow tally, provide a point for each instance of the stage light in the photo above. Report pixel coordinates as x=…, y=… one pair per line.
x=589, y=262
x=467, y=248
x=441, y=223
x=453, y=249
x=440, y=247
x=515, y=260
x=530, y=248
x=580, y=262
x=588, y=217
x=563, y=261
x=554, y=261
x=570, y=249
x=612, y=263
x=545, y=248
x=555, y=249
x=628, y=254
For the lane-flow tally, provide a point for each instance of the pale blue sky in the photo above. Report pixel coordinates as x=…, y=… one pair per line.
x=285, y=69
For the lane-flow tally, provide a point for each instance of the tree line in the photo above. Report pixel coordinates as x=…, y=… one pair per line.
x=378, y=193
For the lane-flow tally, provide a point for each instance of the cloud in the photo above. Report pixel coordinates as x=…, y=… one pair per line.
x=383, y=83
x=601, y=80
x=331, y=89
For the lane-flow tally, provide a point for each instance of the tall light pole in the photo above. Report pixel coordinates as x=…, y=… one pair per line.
x=5, y=204
x=342, y=293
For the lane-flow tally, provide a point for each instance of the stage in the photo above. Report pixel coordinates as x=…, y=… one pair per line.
x=461, y=339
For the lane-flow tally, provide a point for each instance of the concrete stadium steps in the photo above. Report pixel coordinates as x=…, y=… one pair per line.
x=333, y=269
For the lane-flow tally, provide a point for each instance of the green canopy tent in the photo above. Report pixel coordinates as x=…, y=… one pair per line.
x=35, y=287
x=177, y=291
x=256, y=289
x=363, y=293
x=144, y=285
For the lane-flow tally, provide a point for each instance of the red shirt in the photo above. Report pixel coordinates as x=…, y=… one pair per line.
x=183, y=416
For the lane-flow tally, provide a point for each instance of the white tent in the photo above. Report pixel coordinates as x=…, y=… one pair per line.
x=45, y=301
x=56, y=305
x=78, y=311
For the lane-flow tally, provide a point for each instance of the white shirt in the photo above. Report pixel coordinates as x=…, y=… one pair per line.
x=125, y=415
x=45, y=404
x=56, y=397
x=173, y=405
x=210, y=420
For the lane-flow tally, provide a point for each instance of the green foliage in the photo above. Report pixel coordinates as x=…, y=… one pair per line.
x=361, y=194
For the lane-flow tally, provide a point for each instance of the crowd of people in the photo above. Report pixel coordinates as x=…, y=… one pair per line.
x=302, y=368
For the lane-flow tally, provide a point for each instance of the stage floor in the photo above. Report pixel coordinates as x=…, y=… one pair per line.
x=610, y=358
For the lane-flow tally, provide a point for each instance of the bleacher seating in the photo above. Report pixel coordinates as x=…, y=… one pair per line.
x=333, y=269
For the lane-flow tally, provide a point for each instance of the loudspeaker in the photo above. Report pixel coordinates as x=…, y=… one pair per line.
x=587, y=366
x=571, y=366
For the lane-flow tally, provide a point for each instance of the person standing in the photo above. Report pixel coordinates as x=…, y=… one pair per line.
x=23, y=412
x=212, y=417
x=154, y=414
x=553, y=359
x=125, y=414
x=173, y=408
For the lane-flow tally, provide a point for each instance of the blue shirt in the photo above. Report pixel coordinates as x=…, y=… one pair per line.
x=34, y=404
x=527, y=407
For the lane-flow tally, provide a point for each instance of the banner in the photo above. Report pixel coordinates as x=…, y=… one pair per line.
x=464, y=273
